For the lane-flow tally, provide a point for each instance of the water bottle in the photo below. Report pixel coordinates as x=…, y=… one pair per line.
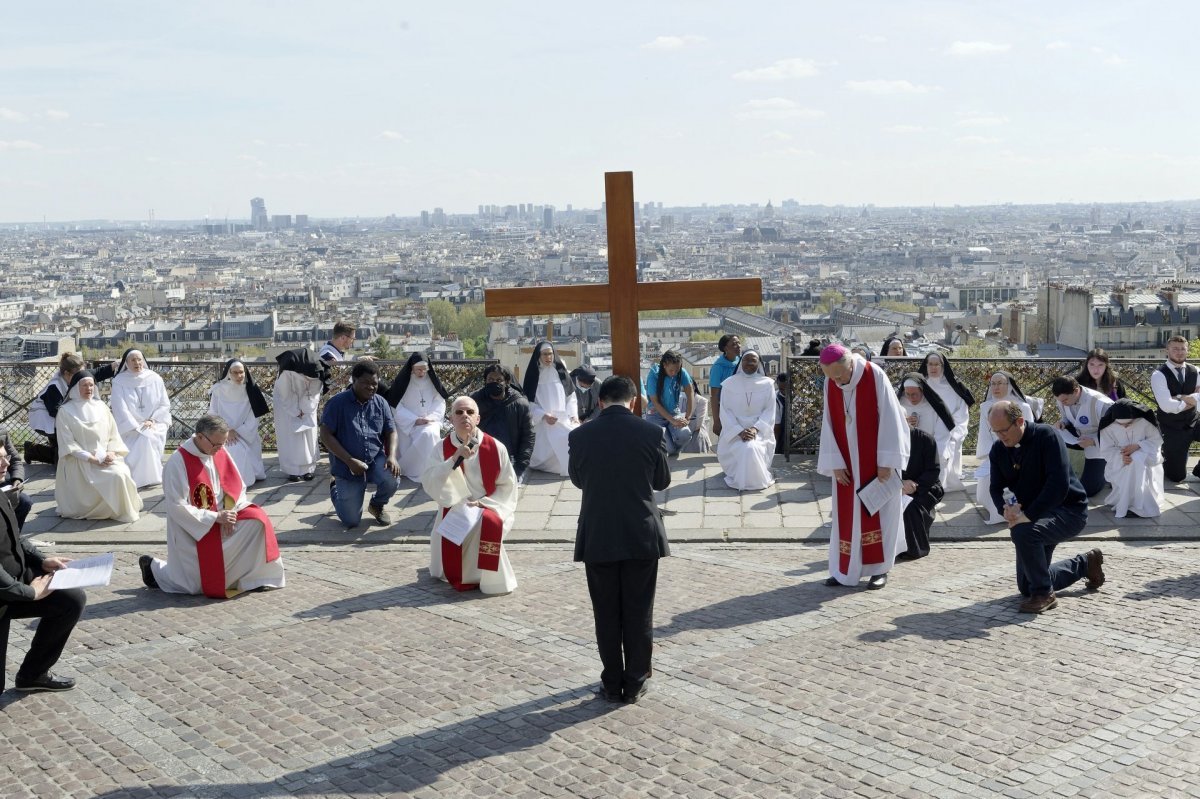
x=1010, y=498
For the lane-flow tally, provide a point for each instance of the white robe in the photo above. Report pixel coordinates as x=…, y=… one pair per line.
x=230, y=401
x=245, y=552
x=747, y=401
x=893, y=446
x=83, y=490
x=39, y=416
x=1137, y=486
x=415, y=441
x=550, y=440
x=448, y=487
x=296, y=398
x=983, y=473
x=1084, y=416
x=928, y=421
x=960, y=412
x=136, y=399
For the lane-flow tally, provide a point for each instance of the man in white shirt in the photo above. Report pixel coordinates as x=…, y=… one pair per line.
x=1081, y=408
x=1174, y=387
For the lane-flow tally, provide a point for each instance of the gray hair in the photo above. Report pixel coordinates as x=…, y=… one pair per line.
x=211, y=424
x=1008, y=409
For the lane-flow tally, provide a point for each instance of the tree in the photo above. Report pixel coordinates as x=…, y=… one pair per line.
x=829, y=298
x=443, y=315
x=471, y=322
x=1194, y=350
x=902, y=307
x=382, y=349
x=977, y=348
x=706, y=335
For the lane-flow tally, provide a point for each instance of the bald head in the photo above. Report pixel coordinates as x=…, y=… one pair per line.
x=464, y=415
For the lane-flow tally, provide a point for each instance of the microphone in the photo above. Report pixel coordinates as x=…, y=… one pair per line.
x=458, y=461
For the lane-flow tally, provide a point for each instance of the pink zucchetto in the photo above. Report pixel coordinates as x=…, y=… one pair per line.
x=832, y=354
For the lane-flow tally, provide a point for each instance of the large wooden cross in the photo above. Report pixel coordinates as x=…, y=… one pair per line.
x=623, y=296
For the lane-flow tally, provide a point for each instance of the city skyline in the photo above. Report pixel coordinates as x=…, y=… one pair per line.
x=375, y=110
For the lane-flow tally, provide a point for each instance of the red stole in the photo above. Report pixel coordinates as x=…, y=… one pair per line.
x=491, y=529
x=866, y=410
x=209, y=549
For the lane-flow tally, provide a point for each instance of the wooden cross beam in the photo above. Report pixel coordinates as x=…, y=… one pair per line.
x=623, y=296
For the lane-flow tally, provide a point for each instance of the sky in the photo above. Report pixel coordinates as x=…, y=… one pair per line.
x=364, y=109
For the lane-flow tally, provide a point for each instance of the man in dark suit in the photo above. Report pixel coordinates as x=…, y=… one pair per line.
x=25, y=594
x=619, y=460
x=922, y=482
x=12, y=478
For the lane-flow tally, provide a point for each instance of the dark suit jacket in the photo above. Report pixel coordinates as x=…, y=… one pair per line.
x=619, y=460
x=16, y=466
x=924, y=468
x=20, y=562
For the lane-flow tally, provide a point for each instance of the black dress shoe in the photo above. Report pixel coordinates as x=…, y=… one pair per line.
x=308, y=475
x=47, y=682
x=1095, y=572
x=147, y=573
x=295, y=478
x=832, y=582
x=632, y=697
x=877, y=582
x=610, y=694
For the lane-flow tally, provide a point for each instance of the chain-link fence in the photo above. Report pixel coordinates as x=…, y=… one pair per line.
x=188, y=384
x=1034, y=375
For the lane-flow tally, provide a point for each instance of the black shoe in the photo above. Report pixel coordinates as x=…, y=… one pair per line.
x=308, y=475
x=832, y=582
x=631, y=698
x=295, y=478
x=47, y=682
x=147, y=573
x=877, y=582
x=610, y=694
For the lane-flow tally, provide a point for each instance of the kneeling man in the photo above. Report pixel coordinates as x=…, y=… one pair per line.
x=218, y=543
x=471, y=467
x=747, y=440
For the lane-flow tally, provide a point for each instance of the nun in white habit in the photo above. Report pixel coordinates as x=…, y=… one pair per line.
x=554, y=408
x=143, y=412
x=236, y=399
x=418, y=403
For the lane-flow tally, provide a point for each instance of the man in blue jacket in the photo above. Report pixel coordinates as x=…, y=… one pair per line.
x=1049, y=506
x=619, y=461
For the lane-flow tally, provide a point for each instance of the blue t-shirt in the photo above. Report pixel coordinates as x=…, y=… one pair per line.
x=358, y=426
x=722, y=368
x=671, y=388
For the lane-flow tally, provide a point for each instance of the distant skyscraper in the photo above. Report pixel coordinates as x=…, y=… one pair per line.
x=424, y=219
x=547, y=218
x=301, y=220
x=258, y=214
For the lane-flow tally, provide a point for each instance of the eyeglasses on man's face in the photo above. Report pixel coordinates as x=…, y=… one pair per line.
x=211, y=443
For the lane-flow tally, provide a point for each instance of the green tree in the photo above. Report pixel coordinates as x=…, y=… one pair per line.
x=829, y=298
x=706, y=335
x=902, y=307
x=1194, y=349
x=471, y=322
x=977, y=348
x=382, y=349
x=443, y=314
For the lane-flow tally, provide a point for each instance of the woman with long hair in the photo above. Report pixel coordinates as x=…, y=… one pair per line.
x=1097, y=374
x=668, y=383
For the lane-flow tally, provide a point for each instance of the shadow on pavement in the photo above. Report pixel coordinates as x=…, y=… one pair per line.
x=412, y=761
x=1186, y=587
x=422, y=593
x=974, y=621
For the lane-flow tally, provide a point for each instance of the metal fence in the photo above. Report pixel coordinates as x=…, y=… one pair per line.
x=188, y=384
x=806, y=382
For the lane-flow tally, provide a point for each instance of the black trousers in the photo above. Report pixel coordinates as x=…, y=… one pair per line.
x=623, y=605
x=1176, y=442
x=58, y=611
x=918, y=518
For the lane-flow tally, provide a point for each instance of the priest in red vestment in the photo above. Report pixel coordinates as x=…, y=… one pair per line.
x=471, y=468
x=218, y=543
x=864, y=438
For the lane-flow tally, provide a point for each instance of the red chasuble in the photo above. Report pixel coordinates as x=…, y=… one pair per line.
x=209, y=549
x=866, y=410
x=491, y=527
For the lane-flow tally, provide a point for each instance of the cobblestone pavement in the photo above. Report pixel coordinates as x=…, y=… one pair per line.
x=365, y=678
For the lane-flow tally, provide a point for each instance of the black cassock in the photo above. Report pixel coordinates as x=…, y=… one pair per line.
x=924, y=469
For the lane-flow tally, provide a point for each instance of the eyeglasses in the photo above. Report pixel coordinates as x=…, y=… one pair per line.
x=211, y=443
x=1005, y=430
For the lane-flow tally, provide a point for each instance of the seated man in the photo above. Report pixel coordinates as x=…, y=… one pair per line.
x=12, y=479
x=1081, y=409
x=472, y=467
x=358, y=430
x=922, y=483
x=25, y=594
x=218, y=543
x=747, y=441
x=1132, y=447
x=1048, y=506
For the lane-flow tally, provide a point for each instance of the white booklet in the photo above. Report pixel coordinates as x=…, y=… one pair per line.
x=456, y=525
x=875, y=494
x=84, y=573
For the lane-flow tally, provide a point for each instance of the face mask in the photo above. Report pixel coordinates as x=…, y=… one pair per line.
x=494, y=390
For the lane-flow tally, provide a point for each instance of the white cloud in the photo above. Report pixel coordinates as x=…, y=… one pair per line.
x=778, y=108
x=889, y=87
x=793, y=152
x=785, y=69
x=673, y=42
x=1115, y=60
x=777, y=135
x=978, y=140
x=982, y=121
x=392, y=135
x=977, y=48
x=873, y=39
x=55, y=114
x=1058, y=44
x=904, y=129
x=19, y=144
x=9, y=115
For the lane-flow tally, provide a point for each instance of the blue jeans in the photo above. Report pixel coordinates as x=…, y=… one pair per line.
x=347, y=492
x=676, y=438
x=1035, y=542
